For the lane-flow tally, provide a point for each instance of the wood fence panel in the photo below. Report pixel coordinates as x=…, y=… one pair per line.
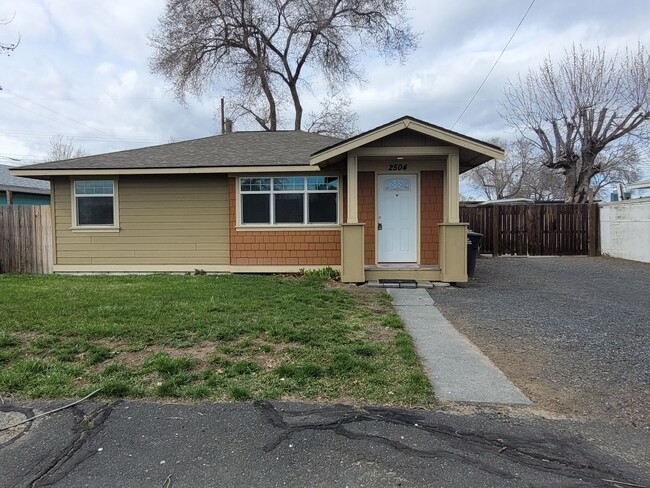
x=536, y=230
x=25, y=243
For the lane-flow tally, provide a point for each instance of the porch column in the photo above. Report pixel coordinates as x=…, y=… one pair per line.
x=352, y=232
x=353, y=190
x=452, y=190
x=352, y=253
x=453, y=252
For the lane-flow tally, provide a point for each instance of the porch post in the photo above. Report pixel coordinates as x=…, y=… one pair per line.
x=452, y=233
x=352, y=232
x=452, y=190
x=353, y=188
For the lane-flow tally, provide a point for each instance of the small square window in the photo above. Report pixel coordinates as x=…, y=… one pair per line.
x=288, y=184
x=256, y=208
x=289, y=208
x=322, y=208
x=256, y=184
x=94, y=202
x=322, y=183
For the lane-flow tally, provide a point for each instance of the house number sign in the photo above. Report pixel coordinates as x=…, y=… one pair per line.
x=397, y=167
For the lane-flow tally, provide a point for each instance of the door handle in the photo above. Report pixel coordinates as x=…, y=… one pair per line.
x=378, y=225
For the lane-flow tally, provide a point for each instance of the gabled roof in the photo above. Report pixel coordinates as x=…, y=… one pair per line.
x=237, y=149
x=472, y=151
x=256, y=151
x=22, y=185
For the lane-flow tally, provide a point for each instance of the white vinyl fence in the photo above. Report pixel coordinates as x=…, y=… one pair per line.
x=625, y=229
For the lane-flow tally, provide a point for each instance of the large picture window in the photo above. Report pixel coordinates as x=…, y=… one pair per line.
x=94, y=202
x=292, y=200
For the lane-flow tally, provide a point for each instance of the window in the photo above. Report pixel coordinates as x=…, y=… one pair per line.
x=292, y=200
x=94, y=202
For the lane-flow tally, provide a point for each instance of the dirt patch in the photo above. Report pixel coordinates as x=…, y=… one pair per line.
x=134, y=359
x=542, y=375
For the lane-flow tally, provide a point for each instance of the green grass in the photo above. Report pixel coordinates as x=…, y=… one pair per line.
x=204, y=337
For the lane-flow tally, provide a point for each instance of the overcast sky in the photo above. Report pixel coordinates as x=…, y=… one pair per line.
x=81, y=69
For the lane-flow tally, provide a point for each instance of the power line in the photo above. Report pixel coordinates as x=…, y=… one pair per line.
x=39, y=114
x=55, y=112
x=81, y=137
x=495, y=64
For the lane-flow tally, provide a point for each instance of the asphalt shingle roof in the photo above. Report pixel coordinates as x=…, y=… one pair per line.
x=16, y=183
x=288, y=148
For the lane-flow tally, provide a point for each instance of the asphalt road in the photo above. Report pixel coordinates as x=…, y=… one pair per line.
x=572, y=332
x=137, y=444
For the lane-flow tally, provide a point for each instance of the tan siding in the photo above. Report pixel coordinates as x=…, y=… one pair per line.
x=164, y=220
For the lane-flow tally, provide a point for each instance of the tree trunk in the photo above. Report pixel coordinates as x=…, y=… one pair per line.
x=576, y=184
x=297, y=106
x=570, y=183
x=273, y=111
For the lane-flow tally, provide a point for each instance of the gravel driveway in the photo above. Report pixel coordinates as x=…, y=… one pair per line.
x=572, y=332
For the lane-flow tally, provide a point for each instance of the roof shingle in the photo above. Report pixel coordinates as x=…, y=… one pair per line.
x=15, y=183
x=286, y=148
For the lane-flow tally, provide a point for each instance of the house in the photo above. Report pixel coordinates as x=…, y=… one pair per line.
x=22, y=191
x=382, y=204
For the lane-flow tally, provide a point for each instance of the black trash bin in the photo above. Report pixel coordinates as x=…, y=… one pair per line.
x=473, y=245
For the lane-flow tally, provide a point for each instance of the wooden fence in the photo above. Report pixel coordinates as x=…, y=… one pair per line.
x=25, y=239
x=535, y=229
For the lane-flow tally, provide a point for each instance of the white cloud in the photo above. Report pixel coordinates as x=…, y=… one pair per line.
x=88, y=63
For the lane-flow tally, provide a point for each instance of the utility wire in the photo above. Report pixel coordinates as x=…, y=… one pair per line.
x=495, y=64
x=39, y=114
x=55, y=112
x=82, y=137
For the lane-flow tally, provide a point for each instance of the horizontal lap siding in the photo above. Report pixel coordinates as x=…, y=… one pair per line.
x=431, y=210
x=164, y=220
x=297, y=248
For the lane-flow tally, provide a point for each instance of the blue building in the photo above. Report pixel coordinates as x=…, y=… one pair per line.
x=22, y=191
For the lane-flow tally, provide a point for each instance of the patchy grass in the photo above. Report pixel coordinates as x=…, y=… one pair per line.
x=205, y=337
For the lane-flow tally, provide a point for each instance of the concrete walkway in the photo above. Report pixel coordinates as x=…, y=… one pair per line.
x=457, y=369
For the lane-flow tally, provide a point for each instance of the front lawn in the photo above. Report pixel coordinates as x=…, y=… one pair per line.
x=204, y=337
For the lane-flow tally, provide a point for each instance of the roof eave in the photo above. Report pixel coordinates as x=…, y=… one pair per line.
x=36, y=173
x=25, y=189
x=491, y=152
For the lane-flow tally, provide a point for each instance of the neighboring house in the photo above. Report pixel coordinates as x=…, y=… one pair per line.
x=382, y=204
x=22, y=191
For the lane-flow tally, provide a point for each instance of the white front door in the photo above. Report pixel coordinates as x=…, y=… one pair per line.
x=396, y=218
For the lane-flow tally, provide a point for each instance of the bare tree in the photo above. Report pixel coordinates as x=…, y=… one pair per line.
x=577, y=108
x=8, y=47
x=334, y=118
x=542, y=183
x=520, y=175
x=268, y=48
x=62, y=148
x=499, y=179
x=617, y=163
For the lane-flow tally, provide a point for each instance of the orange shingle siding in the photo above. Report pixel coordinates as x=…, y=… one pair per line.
x=301, y=248
x=431, y=209
x=366, y=185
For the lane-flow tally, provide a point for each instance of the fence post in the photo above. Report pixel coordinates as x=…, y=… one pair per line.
x=495, y=230
x=593, y=224
x=593, y=230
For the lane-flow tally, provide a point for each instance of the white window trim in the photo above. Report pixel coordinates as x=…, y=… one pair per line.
x=75, y=227
x=287, y=226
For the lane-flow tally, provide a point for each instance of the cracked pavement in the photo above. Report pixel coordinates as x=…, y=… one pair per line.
x=269, y=444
